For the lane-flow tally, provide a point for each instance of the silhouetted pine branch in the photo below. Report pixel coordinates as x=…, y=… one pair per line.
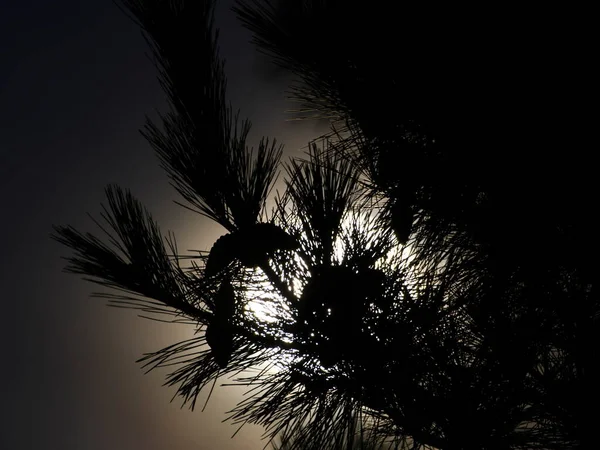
x=398, y=294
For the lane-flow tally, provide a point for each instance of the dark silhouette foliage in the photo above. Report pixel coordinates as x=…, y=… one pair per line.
x=427, y=277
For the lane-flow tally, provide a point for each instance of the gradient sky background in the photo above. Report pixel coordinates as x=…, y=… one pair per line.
x=75, y=85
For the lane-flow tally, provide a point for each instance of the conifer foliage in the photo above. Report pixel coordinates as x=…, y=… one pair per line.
x=408, y=302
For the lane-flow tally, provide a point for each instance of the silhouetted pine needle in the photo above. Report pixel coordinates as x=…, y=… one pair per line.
x=144, y=267
x=203, y=144
x=254, y=174
x=322, y=189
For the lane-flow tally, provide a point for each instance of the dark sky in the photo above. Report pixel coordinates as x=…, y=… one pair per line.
x=75, y=85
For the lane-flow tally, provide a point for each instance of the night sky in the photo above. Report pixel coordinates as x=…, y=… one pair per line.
x=75, y=85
